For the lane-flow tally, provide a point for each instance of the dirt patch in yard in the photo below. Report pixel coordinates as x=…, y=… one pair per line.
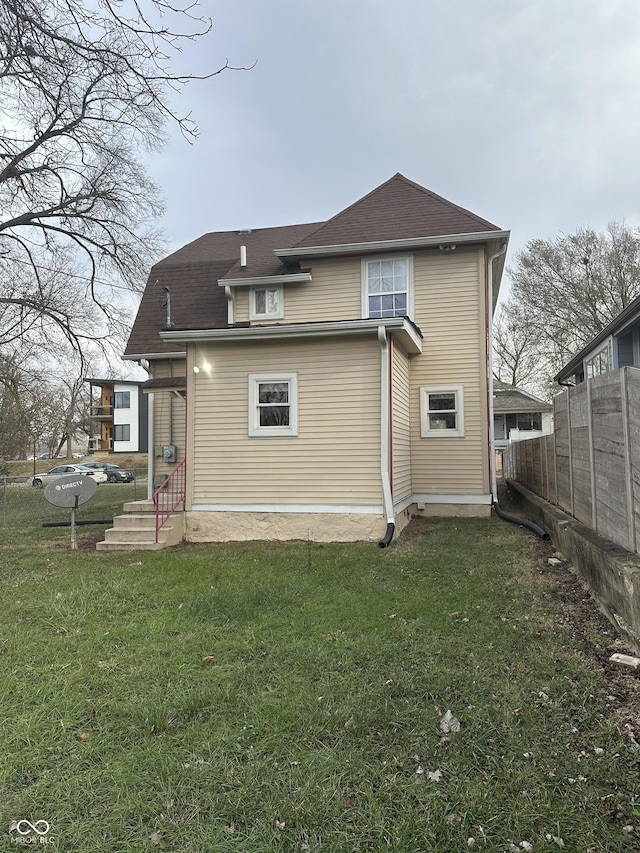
x=591, y=628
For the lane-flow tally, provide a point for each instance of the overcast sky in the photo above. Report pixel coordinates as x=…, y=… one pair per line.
x=526, y=112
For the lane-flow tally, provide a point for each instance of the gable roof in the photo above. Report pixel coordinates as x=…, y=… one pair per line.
x=510, y=399
x=399, y=209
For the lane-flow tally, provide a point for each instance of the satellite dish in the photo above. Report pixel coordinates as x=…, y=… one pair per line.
x=70, y=490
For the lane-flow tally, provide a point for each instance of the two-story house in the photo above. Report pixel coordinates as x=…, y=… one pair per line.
x=326, y=380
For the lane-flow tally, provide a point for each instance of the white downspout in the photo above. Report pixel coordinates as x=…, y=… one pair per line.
x=492, y=436
x=150, y=446
x=384, y=437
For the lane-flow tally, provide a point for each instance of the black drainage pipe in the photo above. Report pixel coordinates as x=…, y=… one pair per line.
x=521, y=522
x=388, y=536
x=78, y=523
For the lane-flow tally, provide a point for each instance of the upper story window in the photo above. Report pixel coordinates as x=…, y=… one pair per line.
x=266, y=303
x=122, y=400
x=387, y=287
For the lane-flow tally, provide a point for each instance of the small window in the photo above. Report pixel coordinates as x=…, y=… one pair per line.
x=599, y=363
x=441, y=412
x=530, y=421
x=122, y=400
x=266, y=303
x=386, y=287
x=273, y=404
x=122, y=432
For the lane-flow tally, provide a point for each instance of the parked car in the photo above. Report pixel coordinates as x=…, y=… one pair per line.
x=115, y=473
x=62, y=470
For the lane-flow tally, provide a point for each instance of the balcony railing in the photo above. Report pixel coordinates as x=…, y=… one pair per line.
x=168, y=496
x=101, y=411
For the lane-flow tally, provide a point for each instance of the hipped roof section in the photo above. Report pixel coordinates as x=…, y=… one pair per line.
x=399, y=209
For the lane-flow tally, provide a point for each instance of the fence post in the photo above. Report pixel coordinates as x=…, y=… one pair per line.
x=592, y=460
x=631, y=526
x=570, y=438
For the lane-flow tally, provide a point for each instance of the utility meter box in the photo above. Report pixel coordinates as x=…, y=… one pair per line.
x=169, y=453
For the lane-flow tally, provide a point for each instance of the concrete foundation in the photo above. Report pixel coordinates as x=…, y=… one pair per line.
x=283, y=526
x=611, y=573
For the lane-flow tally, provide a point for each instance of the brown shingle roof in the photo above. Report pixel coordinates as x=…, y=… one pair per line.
x=192, y=273
x=396, y=210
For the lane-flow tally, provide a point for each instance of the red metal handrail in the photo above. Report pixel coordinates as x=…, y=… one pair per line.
x=169, y=495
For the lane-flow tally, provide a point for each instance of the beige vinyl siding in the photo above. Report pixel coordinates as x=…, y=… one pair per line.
x=334, y=459
x=401, y=425
x=450, y=311
x=168, y=415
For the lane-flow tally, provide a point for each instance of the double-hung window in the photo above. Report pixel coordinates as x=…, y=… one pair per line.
x=386, y=287
x=273, y=404
x=441, y=411
x=266, y=303
x=122, y=432
x=122, y=400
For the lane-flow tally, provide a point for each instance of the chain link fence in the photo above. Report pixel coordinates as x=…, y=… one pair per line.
x=23, y=505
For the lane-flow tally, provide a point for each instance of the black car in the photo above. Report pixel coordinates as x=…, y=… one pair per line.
x=115, y=474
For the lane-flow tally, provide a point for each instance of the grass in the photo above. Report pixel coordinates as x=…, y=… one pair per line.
x=261, y=697
x=25, y=507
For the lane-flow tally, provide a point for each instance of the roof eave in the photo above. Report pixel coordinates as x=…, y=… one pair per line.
x=300, y=252
x=154, y=356
x=266, y=280
x=402, y=327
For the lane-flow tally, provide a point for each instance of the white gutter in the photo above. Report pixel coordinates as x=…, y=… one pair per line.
x=391, y=245
x=412, y=339
x=266, y=280
x=384, y=425
x=492, y=436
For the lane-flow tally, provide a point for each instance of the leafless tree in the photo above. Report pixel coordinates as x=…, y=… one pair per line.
x=86, y=88
x=567, y=290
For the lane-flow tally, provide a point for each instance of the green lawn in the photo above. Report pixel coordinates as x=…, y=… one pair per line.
x=289, y=697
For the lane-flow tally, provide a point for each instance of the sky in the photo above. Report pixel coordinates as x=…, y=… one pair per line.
x=526, y=112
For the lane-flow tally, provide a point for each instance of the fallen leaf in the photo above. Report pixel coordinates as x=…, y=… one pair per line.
x=208, y=659
x=230, y=828
x=84, y=735
x=350, y=724
x=155, y=837
x=280, y=824
x=449, y=723
x=435, y=776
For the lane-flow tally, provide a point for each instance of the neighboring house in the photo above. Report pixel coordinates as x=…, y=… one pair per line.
x=618, y=345
x=120, y=415
x=326, y=381
x=517, y=415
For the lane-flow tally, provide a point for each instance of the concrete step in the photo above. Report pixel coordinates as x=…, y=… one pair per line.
x=137, y=532
x=139, y=520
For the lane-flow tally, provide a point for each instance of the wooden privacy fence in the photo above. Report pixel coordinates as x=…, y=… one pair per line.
x=590, y=466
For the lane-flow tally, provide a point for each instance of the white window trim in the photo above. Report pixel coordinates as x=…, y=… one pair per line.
x=254, y=425
x=365, y=280
x=277, y=315
x=425, y=431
